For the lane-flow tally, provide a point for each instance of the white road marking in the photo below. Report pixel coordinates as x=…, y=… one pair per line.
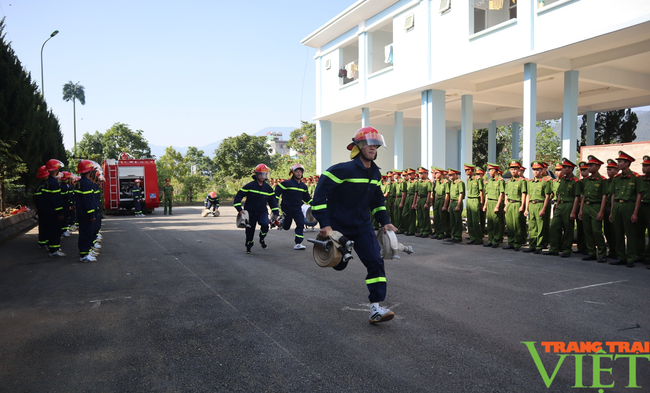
x=588, y=286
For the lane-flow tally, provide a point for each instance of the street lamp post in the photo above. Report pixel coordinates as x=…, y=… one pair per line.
x=42, y=82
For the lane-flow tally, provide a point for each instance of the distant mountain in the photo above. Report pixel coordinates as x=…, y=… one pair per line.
x=159, y=151
x=643, y=127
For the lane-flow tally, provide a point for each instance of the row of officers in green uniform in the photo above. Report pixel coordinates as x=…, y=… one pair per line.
x=544, y=211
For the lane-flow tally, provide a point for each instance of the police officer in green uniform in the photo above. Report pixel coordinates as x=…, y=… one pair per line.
x=408, y=212
x=390, y=195
x=423, y=202
x=168, y=196
x=580, y=232
x=608, y=227
x=440, y=205
x=495, y=194
x=480, y=173
x=455, y=208
x=567, y=197
x=401, y=191
x=537, y=208
x=592, y=211
x=644, y=212
x=396, y=191
x=627, y=190
x=516, y=190
x=475, y=199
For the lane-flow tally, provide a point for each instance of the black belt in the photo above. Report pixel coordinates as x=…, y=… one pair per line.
x=453, y=200
x=536, y=202
x=440, y=198
x=513, y=201
x=473, y=197
x=624, y=200
x=490, y=199
x=592, y=203
x=645, y=203
x=561, y=202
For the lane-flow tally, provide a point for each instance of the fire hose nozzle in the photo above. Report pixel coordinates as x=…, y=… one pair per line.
x=326, y=244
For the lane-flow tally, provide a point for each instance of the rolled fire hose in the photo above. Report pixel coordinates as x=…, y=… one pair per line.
x=242, y=220
x=389, y=245
x=327, y=252
x=205, y=213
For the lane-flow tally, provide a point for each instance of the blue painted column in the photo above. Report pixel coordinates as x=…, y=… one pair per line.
x=570, y=116
x=492, y=142
x=438, y=121
x=365, y=117
x=515, y=141
x=323, y=145
x=591, y=128
x=530, y=116
x=466, y=131
x=398, y=141
x=426, y=128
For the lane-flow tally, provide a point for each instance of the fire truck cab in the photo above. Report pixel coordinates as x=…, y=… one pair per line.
x=120, y=178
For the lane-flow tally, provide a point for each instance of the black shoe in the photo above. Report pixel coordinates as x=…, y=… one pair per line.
x=263, y=244
x=508, y=247
x=538, y=251
x=550, y=253
x=602, y=260
x=408, y=234
x=471, y=242
x=648, y=267
x=433, y=237
x=590, y=258
x=639, y=260
x=630, y=264
x=456, y=240
x=248, y=250
x=611, y=255
x=565, y=254
x=528, y=250
x=467, y=238
x=495, y=245
x=516, y=249
x=487, y=245
x=618, y=262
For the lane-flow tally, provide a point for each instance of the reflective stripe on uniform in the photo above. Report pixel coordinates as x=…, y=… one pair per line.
x=319, y=207
x=380, y=208
x=237, y=204
x=52, y=191
x=351, y=180
x=257, y=192
x=375, y=280
x=83, y=192
x=292, y=188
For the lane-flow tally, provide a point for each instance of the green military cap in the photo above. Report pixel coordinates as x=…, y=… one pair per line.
x=583, y=165
x=594, y=160
x=435, y=168
x=451, y=170
x=646, y=160
x=493, y=166
x=469, y=166
x=515, y=164
x=537, y=165
x=480, y=171
x=567, y=162
x=611, y=163
x=624, y=156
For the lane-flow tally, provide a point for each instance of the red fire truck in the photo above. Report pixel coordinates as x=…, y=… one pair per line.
x=120, y=178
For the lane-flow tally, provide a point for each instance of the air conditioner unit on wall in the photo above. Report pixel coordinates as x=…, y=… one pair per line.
x=409, y=23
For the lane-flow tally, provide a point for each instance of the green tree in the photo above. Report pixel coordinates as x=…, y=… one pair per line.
x=549, y=146
x=91, y=146
x=120, y=138
x=236, y=157
x=171, y=166
x=303, y=140
x=204, y=165
x=192, y=184
x=611, y=127
x=74, y=92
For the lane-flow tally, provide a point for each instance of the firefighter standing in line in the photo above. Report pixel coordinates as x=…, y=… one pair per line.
x=592, y=211
x=422, y=203
x=567, y=197
x=67, y=193
x=167, y=196
x=42, y=176
x=627, y=190
x=455, y=208
x=258, y=194
x=212, y=202
x=53, y=208
x=495, y=195
x=516, y=190
x=294, y=194
x=475, y=199
x=137, y=198
x=86, y=214
x=344, y=200
x=440, y=205
x=537, y=208
x=480, y=173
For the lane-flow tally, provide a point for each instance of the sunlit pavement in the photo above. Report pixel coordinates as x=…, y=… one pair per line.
x=175, y=304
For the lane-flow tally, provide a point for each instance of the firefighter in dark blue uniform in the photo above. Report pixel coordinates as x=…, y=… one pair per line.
x=212, y=202
x=42, y=176
x=258, y=194
x=346, y=195
x=67, y=193
x=52, y=208
x=294, y=193
x=137, y=198
x=86, y=211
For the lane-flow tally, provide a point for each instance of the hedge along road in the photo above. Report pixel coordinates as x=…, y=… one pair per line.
x=175, y=304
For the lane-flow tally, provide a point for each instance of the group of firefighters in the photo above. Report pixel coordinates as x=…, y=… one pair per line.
x=65, y=203
x=542, y=210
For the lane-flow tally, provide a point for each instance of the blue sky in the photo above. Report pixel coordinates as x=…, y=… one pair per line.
x=186, y=73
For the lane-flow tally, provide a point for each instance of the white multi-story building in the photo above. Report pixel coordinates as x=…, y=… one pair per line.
x=425, y=73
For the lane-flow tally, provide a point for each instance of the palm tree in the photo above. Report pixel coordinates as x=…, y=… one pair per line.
x=74, y=91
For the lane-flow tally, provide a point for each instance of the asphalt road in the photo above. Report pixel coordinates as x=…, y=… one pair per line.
x=174, y=304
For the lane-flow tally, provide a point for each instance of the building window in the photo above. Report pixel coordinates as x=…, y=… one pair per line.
x=543, y=3
x=445, y=5
x=489, y=13
x=349, y=63
x=380, y=47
